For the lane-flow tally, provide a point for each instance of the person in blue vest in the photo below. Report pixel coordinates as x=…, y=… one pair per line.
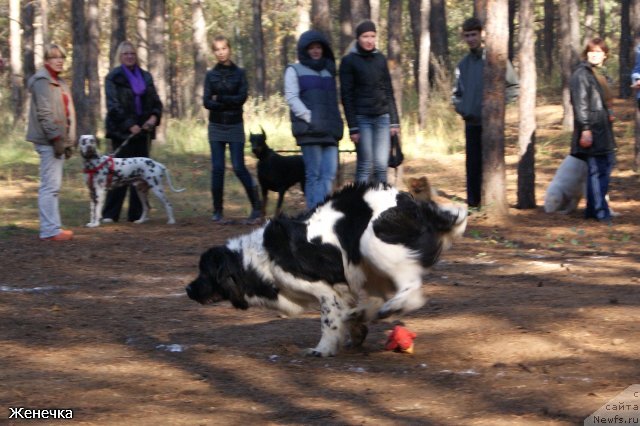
x=310, y=91
x=369, y=104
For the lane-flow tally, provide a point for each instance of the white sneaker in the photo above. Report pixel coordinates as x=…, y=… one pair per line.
x=106, y=220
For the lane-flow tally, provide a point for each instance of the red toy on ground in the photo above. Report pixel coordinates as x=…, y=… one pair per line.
x=400, y=340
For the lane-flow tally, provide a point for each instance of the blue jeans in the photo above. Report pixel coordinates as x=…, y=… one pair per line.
x=473, y=163
x=236, y=151
x=373, y=148
x=600, y=167
x=320, y=166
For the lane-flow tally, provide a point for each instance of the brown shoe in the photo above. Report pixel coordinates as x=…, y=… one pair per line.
x=63, y=235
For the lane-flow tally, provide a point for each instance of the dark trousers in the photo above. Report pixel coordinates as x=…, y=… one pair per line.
x=473, y=135
x=236, y=153
x=137, y=147
x=600, y=167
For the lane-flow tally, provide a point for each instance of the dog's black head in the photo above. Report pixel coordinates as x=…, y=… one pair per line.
x=259, y=145
x=219, y=273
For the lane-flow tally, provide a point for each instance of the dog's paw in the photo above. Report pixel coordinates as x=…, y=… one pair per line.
x=141, y=220
x=92, y=224
x=171, y=222
x=318, y=353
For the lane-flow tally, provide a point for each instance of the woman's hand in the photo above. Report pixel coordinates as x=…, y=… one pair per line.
x=586, y=139
x=135, y=129
x=395, y=131
x=150, y=123
x=355, y=137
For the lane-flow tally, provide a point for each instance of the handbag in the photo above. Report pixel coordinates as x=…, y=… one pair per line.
x=395, y=153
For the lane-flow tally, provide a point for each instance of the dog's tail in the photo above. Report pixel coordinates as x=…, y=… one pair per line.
x=171, y=183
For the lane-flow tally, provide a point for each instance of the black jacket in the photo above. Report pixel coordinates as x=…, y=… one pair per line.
x=366, y=87
x=589, y=113
x=229, y=84
x=121, y=110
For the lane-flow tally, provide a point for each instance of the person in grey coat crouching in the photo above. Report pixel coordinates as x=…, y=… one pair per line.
x=52, y=130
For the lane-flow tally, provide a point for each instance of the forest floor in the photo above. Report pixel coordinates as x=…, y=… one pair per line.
x=533, y=321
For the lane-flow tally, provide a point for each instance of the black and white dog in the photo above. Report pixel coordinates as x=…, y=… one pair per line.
x=103, y=172
x=276, y=172
x=361, y=256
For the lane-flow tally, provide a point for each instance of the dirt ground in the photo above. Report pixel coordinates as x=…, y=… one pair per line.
x=532, y=322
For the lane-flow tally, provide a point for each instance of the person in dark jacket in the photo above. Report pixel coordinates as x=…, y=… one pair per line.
x=467, y=100
x=369, y=104
x=225, y=91
x=593, y=139
x=134, y=110
x=310, y=91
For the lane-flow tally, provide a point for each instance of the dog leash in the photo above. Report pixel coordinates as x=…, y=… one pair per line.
x=126, y=141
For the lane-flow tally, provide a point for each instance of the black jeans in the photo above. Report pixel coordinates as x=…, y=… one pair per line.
x=138, y=146
x=473, y=134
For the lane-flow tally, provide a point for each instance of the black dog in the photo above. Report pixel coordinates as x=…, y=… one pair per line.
x=275, y=172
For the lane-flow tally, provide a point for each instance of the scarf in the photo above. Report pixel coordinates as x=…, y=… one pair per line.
x=65, y=97
x=315, y=64
x=601, y=76
x=138, y=85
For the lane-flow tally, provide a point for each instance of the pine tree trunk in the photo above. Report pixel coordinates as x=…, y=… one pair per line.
x=625, y=48
x=79, y=66
x=423, y=69
x=199, y=56
x=158, y=59
x=321, y=17
x=569, y=54
x=93, y=53
x=17, y=81
x=602, y=18
x=258, y=50
x=118, y=29
x=360, y=11
x=414, y=16
x=527, y=104
x=346, y=28
x=438, y=29
x=549, y=39
x=374, y=11
x=513, y=9
x=494, y=199
x=394, y=50
x=28, y=41
x=142, y=33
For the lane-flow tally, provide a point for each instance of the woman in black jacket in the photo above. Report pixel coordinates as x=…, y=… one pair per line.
x=369, y=104
x=225, y=91
x=593, y=140
x=133, y=109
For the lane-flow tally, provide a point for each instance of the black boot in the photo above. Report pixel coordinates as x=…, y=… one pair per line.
x=217, y=204
x=256, y=206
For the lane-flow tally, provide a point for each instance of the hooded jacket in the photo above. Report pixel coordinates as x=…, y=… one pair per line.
x=366, y=87
x=121, y=110
x=48, y=119
x=310, y=91
x=589, y=113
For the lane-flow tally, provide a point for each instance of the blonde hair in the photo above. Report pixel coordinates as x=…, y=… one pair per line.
x=48, y=51
x=121, y=47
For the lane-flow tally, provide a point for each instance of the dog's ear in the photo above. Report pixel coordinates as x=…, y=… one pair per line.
x=263, y=133
x=230, y=277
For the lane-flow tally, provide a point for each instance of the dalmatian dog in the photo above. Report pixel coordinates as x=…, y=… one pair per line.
x=104, y=172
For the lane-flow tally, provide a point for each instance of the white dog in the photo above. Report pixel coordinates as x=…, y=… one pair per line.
x=567, y=186
x=360, y=255
x=105, y=172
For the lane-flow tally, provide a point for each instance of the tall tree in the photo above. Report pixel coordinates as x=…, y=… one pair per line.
x=118, y=28
x=588, y=21
x=321, y=17
x=93, y=53
x=258, y=50
x=527, y=128
x=17, y=84
x=28, y=41
x=158, y=58
x=439, y=31
x=635, y=30
x=549, y=38
x=79, y=66
x=423, y=68
x=360, y=11
x=374, y=11
x=569, y=54
x=40, y=30
x=513, y=9
x=494, y=198
x=304, y=17
x=480, y=9
x=199, y=55
x=414, y=17
x=602, y=18
x=346, y=28
x=626, y=47
x=394, y=50
x=142, y=32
